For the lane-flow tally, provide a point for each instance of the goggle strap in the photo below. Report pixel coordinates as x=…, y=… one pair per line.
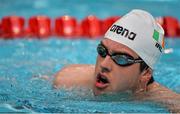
x=138, y=60
x=135, y=61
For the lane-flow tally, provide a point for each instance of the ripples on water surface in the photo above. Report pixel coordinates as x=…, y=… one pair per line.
x=24, y=62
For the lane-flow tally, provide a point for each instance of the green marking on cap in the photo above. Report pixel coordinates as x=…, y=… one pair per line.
x=156, y=35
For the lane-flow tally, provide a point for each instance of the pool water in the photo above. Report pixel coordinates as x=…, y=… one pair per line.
x=82, y=8
x=24, y=61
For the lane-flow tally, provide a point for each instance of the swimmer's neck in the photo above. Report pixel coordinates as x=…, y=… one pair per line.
x=147, y=88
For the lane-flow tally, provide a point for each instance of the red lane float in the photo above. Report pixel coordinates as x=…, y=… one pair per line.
x=91, y=27
x=65, y=26
x=178, y=29
x=170, y=26
x=12, y=26
x=79, y=30
x=0, y=29
x=106, y=23
x=39, y=26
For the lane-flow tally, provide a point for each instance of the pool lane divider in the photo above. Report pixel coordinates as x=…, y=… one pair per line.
x=92, y=27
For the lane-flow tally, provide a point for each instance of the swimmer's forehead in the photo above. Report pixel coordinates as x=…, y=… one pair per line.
x=117, y=47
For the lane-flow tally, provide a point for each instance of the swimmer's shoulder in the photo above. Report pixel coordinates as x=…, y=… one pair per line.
x=169, y=99
x=156, y=92
x=157, y=89
x=74, y=75
x=163, y=95
x=85, y=69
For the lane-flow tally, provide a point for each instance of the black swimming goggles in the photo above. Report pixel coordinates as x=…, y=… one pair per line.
x=120, y=59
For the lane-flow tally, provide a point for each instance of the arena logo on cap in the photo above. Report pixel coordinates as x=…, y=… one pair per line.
x=123, y=32
x=156, y=36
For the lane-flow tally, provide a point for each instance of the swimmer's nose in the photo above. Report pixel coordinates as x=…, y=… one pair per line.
x=106, y=64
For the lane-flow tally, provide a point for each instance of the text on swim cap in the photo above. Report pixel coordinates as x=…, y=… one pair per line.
x=158, y=46
x=123, y=32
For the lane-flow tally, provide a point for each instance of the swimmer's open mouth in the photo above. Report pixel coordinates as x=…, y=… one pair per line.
x=101, y=81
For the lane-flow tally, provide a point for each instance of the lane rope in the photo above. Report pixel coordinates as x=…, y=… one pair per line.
x=68, y=27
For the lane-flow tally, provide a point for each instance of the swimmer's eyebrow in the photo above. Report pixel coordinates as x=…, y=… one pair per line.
x=117, y=52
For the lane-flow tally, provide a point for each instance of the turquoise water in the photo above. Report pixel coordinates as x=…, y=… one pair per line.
x=23, y=62
x=82, y=8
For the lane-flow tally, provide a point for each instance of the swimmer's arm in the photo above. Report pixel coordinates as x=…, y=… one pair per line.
x=168, y=98
x=173, y=104
x=74, y=75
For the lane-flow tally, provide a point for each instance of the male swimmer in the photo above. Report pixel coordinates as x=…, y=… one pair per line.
x=126, y=58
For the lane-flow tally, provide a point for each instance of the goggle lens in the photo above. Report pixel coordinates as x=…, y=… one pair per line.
x=120, y=59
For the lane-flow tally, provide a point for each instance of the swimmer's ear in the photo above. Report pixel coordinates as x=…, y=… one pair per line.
x=144, y=79
x=146, y=75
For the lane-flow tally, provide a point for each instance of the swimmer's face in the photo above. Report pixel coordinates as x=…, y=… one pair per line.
x=110, y=77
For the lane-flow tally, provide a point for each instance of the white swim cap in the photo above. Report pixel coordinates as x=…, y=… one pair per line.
x=139, y=31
